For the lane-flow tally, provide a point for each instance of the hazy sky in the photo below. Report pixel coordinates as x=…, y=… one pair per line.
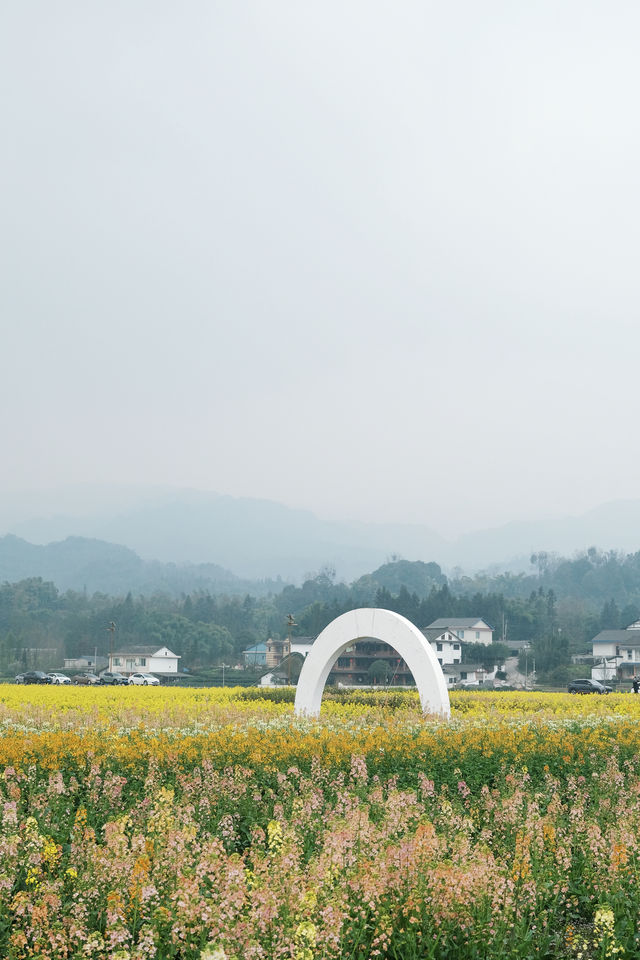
x=376, y=259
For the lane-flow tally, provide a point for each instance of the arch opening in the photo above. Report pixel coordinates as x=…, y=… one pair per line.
x=383, y=625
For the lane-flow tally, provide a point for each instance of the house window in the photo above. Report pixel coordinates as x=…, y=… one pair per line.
x=143, y=661
x=477, y=634
x=456, y=646
x=116, y=661
x=629, y=653
x=457, y=661
x=438, y=647
x=461, y=634
x=452, y=679
x=448, y=636
x=463, y=675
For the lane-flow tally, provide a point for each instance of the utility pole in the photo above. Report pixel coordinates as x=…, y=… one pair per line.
x=290, y=624
x=112, y=629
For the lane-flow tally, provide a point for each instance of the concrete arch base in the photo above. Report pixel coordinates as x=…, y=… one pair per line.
x=382, y=625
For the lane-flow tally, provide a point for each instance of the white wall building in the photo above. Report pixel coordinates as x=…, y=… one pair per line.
x=616, y=654
x=86, y=661
x=145, y=659
x=302, y=645
x=446, y=645
x=468, y=674
x=467, y=629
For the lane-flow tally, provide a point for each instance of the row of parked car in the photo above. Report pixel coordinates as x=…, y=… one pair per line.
x=89, y=679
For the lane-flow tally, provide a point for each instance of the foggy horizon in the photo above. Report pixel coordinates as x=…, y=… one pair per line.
x=377, y=262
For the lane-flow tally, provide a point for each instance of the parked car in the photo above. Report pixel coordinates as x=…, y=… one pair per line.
x=59, y=678
x=116, y=679
x=144, y=679
x=20, y=678
x=86, y=678
x=587, y=686
x=35, y=676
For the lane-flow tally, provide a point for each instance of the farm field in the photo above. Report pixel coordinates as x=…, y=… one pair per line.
x=212, y=824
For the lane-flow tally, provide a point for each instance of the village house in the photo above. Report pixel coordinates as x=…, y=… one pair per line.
x=468, y=674
x=255, y=656
x=86, y=661
x=467, y=629
x=159, y=661
x=446, y=645
x=353, y=665
x=616, y=654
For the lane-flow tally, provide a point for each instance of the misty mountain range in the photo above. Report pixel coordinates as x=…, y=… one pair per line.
x=79, y=563
x=205, y=536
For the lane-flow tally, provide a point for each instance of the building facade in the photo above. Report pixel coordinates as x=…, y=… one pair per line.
x=145, y=659
x=354, y=666
x=616, y=654
x=467, y=629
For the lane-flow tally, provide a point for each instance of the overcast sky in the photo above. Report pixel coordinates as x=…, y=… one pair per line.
x=376, y=259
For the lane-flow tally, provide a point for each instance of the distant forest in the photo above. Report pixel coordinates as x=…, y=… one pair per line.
x=557, y=609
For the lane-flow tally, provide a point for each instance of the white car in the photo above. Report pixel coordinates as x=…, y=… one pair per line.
x=59, y=678
x=144, y=679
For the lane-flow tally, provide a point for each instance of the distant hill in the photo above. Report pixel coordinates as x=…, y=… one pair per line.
x=78, y=563
x=614, y=525
x=254, y=538
x=261, y=539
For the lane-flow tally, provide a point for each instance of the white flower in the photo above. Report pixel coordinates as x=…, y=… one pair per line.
x=213, y=953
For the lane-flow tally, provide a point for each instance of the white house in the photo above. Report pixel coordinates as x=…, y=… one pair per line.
x=302, y=645
x=616, y=654
x=446, y=645
x=87, y=661
x=145, y=659
x=468, y=674
x=467, y=629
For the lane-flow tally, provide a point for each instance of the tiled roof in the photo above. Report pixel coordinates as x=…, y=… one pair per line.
x=622, y=638
x=433, y=633
x=140, y=650
x=458, y=623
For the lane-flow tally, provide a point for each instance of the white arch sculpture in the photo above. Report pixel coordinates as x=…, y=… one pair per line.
x=391, y=628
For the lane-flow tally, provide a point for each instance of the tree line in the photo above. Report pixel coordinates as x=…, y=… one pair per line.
x=40, y=625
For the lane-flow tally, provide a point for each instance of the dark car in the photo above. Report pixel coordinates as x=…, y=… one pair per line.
x=113, y=678
x=35, y=676
x=86, y=678
x=587, y=686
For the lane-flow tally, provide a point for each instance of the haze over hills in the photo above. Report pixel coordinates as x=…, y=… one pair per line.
x=613, y=525
x=253, y=538
x=259, y=539
x=79, y=563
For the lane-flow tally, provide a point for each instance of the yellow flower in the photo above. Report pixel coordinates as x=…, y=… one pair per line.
x=274, y=836
x=213, y=953
x=305, y=940
x=50, y=852
x=604, y=919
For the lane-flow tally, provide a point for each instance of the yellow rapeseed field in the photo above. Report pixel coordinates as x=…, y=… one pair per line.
x=214, y=824
x=55, y=725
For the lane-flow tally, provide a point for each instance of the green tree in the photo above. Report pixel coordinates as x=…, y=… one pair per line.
x=610, y=616
x=379, y=672
x=486, y=654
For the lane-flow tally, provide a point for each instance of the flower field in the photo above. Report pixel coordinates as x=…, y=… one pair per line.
x=200, y=824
